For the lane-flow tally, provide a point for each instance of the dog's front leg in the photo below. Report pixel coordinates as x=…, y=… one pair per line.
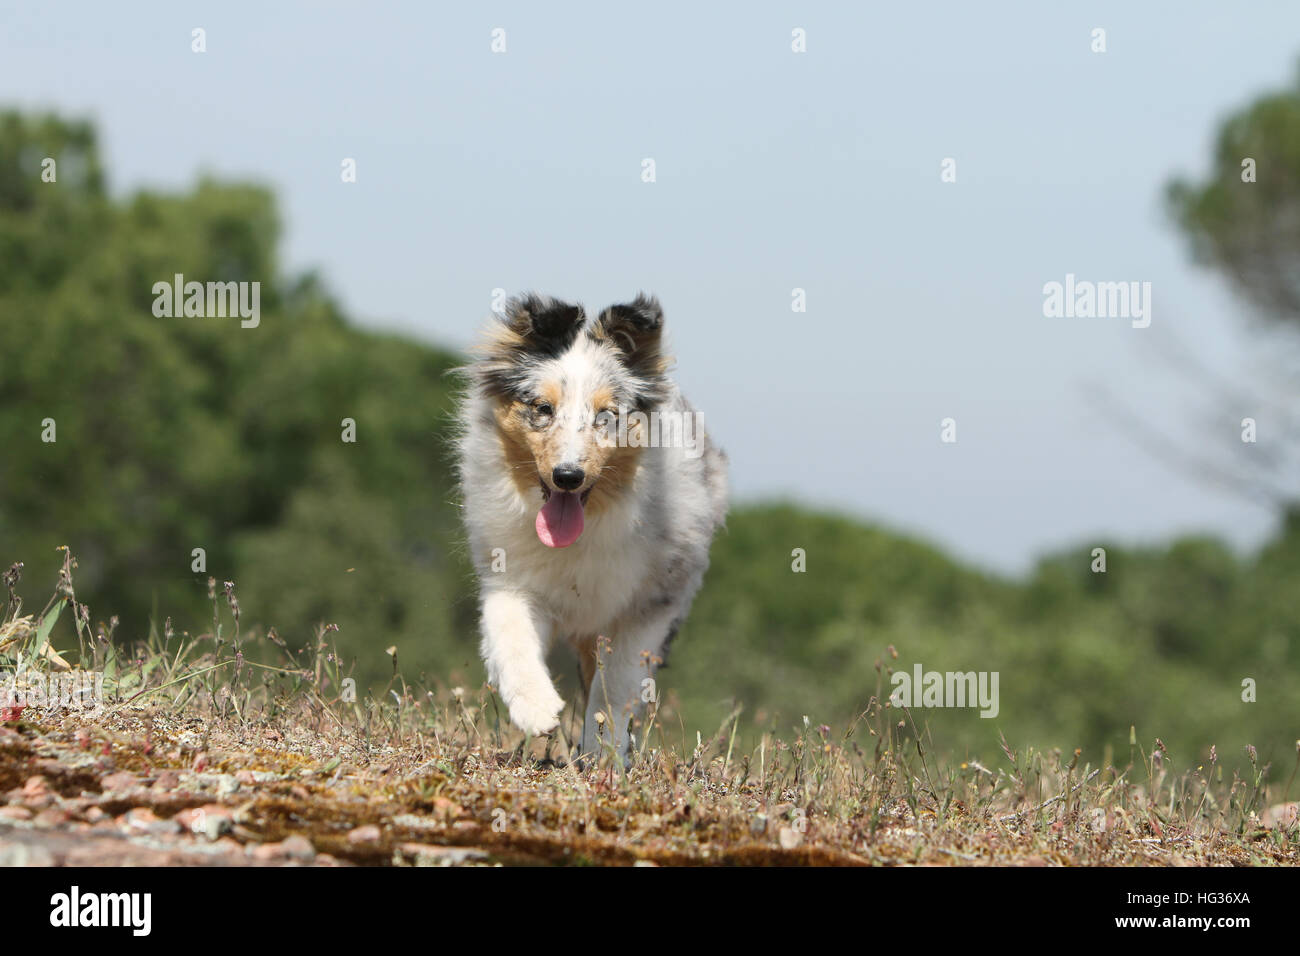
x=619, y=686
x=515, y=635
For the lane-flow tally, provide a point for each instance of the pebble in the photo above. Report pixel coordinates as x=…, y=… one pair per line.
x=144, y=820
x=35, y=788
x=118, y=782
x=364, y=834
x=294, y=847
x=428, y=854
x=52, y=817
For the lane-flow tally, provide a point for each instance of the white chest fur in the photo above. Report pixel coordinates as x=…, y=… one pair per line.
x=583, y=587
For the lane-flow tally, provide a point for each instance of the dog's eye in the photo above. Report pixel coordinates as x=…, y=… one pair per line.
x=543, y=409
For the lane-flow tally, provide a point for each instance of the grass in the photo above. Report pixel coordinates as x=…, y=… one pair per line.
x=402, y=775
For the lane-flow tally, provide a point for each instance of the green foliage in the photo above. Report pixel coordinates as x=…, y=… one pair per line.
x=1245, y=223
x=1161, y=640
x=181, y=433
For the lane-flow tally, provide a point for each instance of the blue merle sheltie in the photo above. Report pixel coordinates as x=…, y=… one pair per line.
x=591, y=494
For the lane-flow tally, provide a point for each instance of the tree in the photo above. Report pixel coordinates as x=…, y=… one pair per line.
x=177, y=433
x=1243, y=221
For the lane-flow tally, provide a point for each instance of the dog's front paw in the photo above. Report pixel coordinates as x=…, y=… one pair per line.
x=536, y=712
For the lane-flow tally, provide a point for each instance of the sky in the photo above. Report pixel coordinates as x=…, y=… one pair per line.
x=774, y=170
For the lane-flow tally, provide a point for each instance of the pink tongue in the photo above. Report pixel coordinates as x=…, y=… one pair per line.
x=559, y=523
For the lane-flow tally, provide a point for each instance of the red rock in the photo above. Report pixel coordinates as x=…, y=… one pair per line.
x=140, y=818
x=211, y=819
x=35, y=787
x=200, y=762
x=52, y=817
x=268, y=852
x=299, y=848
x=186, y=817
x=167, y=780
x=368, y=833
x=15, y=813
x=434, y=853
x=291, y=848
x=119, y=782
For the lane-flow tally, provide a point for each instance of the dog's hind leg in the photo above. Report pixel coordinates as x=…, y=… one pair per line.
x=586, y=649
x=619, y=687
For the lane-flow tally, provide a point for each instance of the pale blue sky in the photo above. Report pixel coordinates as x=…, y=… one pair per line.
x=775, y=170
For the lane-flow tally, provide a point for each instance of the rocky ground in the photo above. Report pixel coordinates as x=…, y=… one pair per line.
x=134, y=790
x=135, y=786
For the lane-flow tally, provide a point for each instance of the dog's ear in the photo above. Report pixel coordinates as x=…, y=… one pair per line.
x=543, y=325
x=635, y=330
x=533, y=327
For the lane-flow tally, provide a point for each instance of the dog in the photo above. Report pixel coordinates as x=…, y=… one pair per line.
x=591, y=494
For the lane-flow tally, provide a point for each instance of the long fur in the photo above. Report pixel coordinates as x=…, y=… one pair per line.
x=617, y=594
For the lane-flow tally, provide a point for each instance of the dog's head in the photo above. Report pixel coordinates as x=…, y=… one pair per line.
x=561, y=389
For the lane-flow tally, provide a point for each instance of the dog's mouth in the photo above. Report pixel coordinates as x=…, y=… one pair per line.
x=547, y=491
x=560, y=521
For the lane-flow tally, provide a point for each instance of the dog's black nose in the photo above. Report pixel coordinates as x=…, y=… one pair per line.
x=567, y=477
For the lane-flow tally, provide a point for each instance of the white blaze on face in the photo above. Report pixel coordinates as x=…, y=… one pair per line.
x=580, y=374
x=582, y=371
